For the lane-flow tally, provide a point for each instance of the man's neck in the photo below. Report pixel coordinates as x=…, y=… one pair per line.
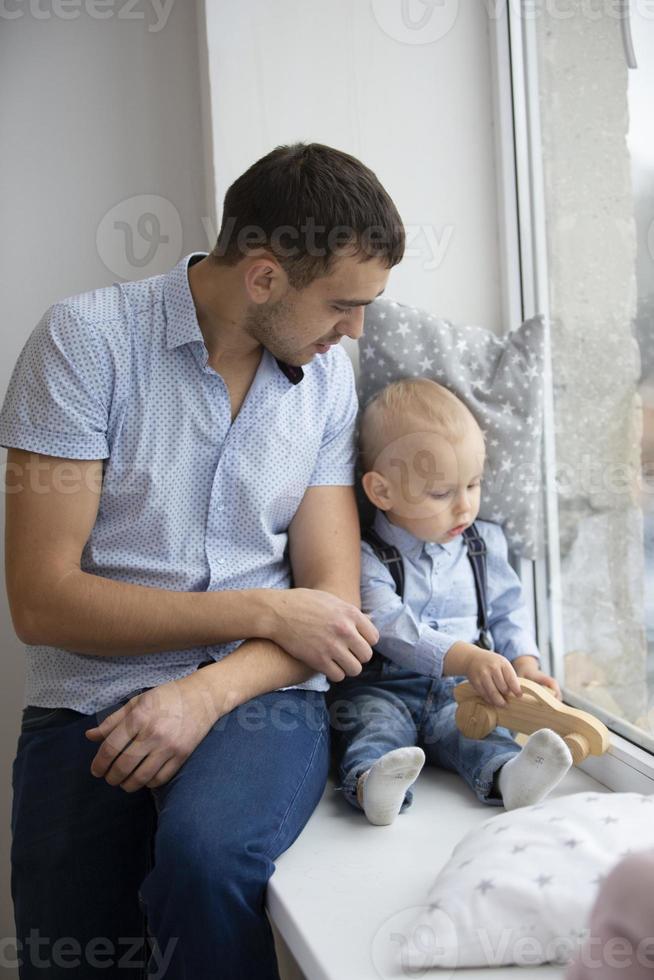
x=221, y=312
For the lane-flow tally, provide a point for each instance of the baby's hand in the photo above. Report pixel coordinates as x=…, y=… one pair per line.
x=493, y=677
x=527, y=667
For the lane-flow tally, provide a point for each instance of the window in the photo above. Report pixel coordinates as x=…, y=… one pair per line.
x=589, y=243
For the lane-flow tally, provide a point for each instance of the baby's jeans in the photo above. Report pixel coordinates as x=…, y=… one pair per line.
x=387, y=707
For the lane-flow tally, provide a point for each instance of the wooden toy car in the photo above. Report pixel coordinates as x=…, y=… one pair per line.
x=537, y=708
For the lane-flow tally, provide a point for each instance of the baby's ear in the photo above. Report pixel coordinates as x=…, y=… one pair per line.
x=376, y=489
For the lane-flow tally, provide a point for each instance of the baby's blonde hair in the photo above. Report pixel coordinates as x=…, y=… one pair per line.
x=408, y=406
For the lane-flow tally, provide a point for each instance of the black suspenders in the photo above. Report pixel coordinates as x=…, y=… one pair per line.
x=477, y=556
x=389, y=555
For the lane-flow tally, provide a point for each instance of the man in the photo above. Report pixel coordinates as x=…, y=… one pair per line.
x=180, y=478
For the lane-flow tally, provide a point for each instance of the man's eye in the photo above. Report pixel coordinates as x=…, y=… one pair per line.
x=342, y=309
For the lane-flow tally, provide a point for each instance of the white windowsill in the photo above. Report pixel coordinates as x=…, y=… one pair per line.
x=345, y=886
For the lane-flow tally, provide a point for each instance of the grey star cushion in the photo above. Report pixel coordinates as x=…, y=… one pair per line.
x=500, y=379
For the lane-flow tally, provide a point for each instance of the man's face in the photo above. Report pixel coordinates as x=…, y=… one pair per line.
x=309, y=321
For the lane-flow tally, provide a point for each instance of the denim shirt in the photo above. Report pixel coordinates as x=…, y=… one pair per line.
x=440, y=602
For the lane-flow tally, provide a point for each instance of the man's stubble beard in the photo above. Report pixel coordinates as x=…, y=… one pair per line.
x=268, y=324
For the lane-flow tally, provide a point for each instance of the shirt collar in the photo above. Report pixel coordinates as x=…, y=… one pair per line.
x=182, y=325
x=408, y=544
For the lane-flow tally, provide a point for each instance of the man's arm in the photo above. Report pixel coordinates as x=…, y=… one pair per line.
x=51, y=507
x=145, y=742
x=324, y=550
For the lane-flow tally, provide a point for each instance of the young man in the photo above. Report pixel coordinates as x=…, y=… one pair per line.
x=180, y=478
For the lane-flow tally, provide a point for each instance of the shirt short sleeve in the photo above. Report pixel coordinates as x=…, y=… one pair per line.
x=337, y=455
x=58, y=398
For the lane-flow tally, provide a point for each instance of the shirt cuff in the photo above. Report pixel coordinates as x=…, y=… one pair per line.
x=429, y=653
x=524, y=648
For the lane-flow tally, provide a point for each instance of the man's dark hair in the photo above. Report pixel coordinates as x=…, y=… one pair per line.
x=308, y=204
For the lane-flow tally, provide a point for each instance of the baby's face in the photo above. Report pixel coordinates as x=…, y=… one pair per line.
x=433, y=484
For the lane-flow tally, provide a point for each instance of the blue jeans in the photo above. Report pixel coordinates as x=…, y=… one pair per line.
x=103, y=879
x=387, y=707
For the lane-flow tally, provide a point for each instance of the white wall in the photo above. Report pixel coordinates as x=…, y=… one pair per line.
x=351, y=74
x=93, y=112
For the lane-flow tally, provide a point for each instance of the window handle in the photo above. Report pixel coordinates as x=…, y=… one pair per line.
x=627, y=40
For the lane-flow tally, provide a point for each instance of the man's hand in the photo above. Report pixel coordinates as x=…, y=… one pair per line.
x=528, y=667
x=146, y=741
x=331, y=636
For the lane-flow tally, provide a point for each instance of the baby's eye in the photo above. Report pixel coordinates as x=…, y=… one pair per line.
x=440, y=496
x=474, y=486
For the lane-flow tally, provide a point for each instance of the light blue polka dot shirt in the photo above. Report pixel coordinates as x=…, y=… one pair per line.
x=189, y=501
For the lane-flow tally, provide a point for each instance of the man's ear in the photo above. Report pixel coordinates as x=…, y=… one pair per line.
x=264, y=280
x=377, y=489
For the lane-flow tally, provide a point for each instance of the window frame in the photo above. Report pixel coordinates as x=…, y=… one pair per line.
x=626, y=767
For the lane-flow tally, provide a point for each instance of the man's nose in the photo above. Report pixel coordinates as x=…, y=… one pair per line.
x=352, y=325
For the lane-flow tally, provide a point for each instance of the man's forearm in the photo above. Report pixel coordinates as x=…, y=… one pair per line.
x=255, y=668
x=102, y=617
x=345, y=587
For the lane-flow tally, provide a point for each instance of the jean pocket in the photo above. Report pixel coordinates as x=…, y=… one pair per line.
x=37, y=719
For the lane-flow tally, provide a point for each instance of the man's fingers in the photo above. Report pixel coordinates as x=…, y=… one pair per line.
x=107, y=725
x=334, y=673
x=146, y=771
x=165, y=774
x=124, y=764
x=115, y=742
x=367, y=629
x=349, y=664
x=360, y=649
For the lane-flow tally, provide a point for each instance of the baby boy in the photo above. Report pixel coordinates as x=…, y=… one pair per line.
x=423, y=459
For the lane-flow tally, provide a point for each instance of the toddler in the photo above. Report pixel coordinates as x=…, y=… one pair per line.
x=448, y=607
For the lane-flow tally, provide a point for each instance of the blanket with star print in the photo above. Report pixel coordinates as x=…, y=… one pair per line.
x=520, y=888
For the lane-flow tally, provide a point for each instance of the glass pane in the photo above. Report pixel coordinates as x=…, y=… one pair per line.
x=598, y=165
x=641, y=150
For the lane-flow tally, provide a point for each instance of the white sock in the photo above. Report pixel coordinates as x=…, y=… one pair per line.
x=535, y=771
x=382, y=788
